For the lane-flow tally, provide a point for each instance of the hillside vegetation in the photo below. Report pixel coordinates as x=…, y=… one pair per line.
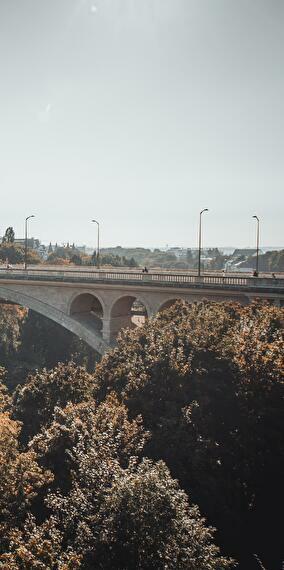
x=104, y=469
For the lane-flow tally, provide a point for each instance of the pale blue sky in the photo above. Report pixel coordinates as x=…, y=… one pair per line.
x=139, y=113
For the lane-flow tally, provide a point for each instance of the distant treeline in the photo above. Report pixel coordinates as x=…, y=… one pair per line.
x=138, y=257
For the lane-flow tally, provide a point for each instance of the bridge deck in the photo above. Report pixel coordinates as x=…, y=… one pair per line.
x=180, y=280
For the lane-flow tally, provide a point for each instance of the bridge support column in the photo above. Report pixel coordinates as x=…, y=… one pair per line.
x=106, y=330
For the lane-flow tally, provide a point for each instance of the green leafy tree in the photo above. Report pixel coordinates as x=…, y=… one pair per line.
x=9, y=236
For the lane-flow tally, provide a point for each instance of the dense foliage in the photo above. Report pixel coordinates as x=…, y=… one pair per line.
x=15, y=254
x=87, y=459
x=208, y=381
x=104, y=507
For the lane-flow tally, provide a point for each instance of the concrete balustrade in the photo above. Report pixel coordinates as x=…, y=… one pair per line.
x=95, y=305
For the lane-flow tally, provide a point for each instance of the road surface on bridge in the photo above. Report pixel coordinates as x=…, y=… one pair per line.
x=152, y=278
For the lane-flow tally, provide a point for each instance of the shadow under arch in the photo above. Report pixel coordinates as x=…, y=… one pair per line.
x=88, y=309
x=91, y=337
x=128, y=311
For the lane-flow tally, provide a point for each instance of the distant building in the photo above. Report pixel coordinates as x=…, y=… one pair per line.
x=30, y=241
x=177, y=251
x=244, y=252
x=81, y=248
x=33, y=244
x=206, y=261
x=42, y=251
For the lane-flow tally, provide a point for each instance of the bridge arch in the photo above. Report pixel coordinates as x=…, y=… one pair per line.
x=128, y=311
x=90, y=336
x=88, y=309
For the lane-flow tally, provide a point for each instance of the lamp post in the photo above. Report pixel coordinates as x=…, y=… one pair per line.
x=26, y=239
x=98, y=246
x=257, y=245
x=199, y=240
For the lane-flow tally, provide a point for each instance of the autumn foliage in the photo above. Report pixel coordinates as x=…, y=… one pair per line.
x=105, y=470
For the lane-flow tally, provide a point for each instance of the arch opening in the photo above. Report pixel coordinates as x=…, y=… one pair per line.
x=89, y=334
x=88, y=310
x=127, y=312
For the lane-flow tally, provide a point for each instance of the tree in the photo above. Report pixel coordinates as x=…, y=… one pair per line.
x=34, y=403
x=9, y=236
x=189, y=256
x=94, y=258
x=30, y=341
x=50, y=250
x=152, y=525
x=214, y=252
x=269, y=261
x=106, y=426
x=21, y=478
x=14, y=253
x=5, y=400
x=208, y=382
x=37, y=546
x=114, y=511
x=33, y=257
x=11, y=322
x=76, y=259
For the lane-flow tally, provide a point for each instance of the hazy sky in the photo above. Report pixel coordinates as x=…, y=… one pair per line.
x=139, y=113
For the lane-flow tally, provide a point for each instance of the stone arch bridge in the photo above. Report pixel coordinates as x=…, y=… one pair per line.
x=95, y=305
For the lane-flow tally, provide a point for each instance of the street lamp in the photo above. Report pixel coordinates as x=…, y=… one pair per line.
x=26, y=239
x=199, y=240
x=257, y=245
x=98, y=246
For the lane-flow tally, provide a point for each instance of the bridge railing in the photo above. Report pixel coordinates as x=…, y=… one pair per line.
x=176, y=279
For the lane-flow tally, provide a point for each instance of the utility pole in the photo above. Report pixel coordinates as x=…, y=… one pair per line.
x=98, y=243
x=257, y=246
x=26, y=239
x=199, y=240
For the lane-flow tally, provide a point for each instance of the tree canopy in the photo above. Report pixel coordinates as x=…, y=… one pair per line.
x=208, y=381
x=105, y=469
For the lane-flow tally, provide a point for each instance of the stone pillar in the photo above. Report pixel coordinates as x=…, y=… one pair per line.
x=106, y=330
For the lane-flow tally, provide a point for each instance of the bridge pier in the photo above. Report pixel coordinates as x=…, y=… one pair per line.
x=106, y=330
